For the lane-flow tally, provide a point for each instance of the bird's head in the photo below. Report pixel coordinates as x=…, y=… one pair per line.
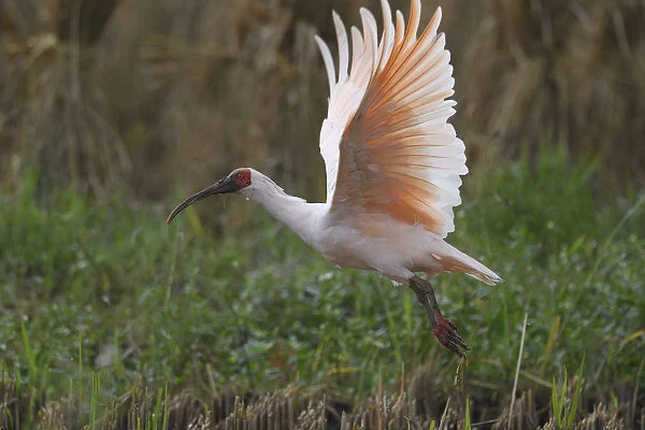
x=235, y=181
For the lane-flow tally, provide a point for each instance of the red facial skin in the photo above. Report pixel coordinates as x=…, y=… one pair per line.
x=242, y=177
x=235, y=181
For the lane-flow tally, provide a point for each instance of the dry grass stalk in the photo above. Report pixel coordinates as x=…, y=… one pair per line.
x=517, y=369
x=523, y=416
x=294, y=408
x=52, y=119
x=561, y=68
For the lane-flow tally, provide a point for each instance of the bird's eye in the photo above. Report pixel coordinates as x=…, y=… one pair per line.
x=239, y=176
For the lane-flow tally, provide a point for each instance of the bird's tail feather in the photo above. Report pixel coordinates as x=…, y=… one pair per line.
x=460, y=262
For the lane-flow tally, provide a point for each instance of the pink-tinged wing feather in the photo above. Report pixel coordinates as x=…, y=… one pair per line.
x=387, y=145
x=345, y=95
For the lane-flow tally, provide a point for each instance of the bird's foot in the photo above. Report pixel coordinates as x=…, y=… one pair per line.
x=443, y=329
x=447, y=334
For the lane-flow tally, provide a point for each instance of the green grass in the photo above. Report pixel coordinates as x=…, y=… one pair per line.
x=565, y=407
x=100, y=297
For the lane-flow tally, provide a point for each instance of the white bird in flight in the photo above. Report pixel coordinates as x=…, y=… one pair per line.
x=393, y=163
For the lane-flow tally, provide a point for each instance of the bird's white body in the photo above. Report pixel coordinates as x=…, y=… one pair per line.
x=392, y=248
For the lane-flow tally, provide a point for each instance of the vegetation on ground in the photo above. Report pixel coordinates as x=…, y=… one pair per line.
x=111, y=318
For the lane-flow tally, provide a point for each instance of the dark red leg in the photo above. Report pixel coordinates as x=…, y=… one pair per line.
x=443, y=329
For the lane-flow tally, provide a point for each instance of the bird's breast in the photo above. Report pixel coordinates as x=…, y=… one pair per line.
x=342, y=246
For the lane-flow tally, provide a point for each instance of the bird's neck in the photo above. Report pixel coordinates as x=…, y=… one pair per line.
x=301, y=217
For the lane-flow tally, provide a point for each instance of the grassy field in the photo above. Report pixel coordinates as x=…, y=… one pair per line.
x=110, y=318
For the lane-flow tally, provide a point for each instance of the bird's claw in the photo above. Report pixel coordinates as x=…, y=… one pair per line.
x=446, y=333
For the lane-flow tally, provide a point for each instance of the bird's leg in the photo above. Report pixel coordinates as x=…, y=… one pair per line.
x=442, y=328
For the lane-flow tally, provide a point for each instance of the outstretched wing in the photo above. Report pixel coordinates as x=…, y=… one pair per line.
x=386, y=142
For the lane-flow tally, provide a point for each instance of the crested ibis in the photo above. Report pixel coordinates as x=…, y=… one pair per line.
x=392, y=159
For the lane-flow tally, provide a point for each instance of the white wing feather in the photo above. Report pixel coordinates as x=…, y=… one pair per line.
x=386, y=142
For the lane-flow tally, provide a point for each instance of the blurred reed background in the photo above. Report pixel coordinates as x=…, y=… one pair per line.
x=154, y=93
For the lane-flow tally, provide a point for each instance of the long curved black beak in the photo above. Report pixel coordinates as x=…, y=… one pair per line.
x=223, y=186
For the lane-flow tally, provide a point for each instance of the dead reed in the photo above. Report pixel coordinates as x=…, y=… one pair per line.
x=565, y=70
x=298, y=408
x=151, y=93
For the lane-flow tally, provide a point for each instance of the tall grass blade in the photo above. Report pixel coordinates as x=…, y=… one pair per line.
x=517, y=372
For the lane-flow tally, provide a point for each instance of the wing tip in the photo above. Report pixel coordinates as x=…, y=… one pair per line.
x=329, y=62
x=343, y=46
